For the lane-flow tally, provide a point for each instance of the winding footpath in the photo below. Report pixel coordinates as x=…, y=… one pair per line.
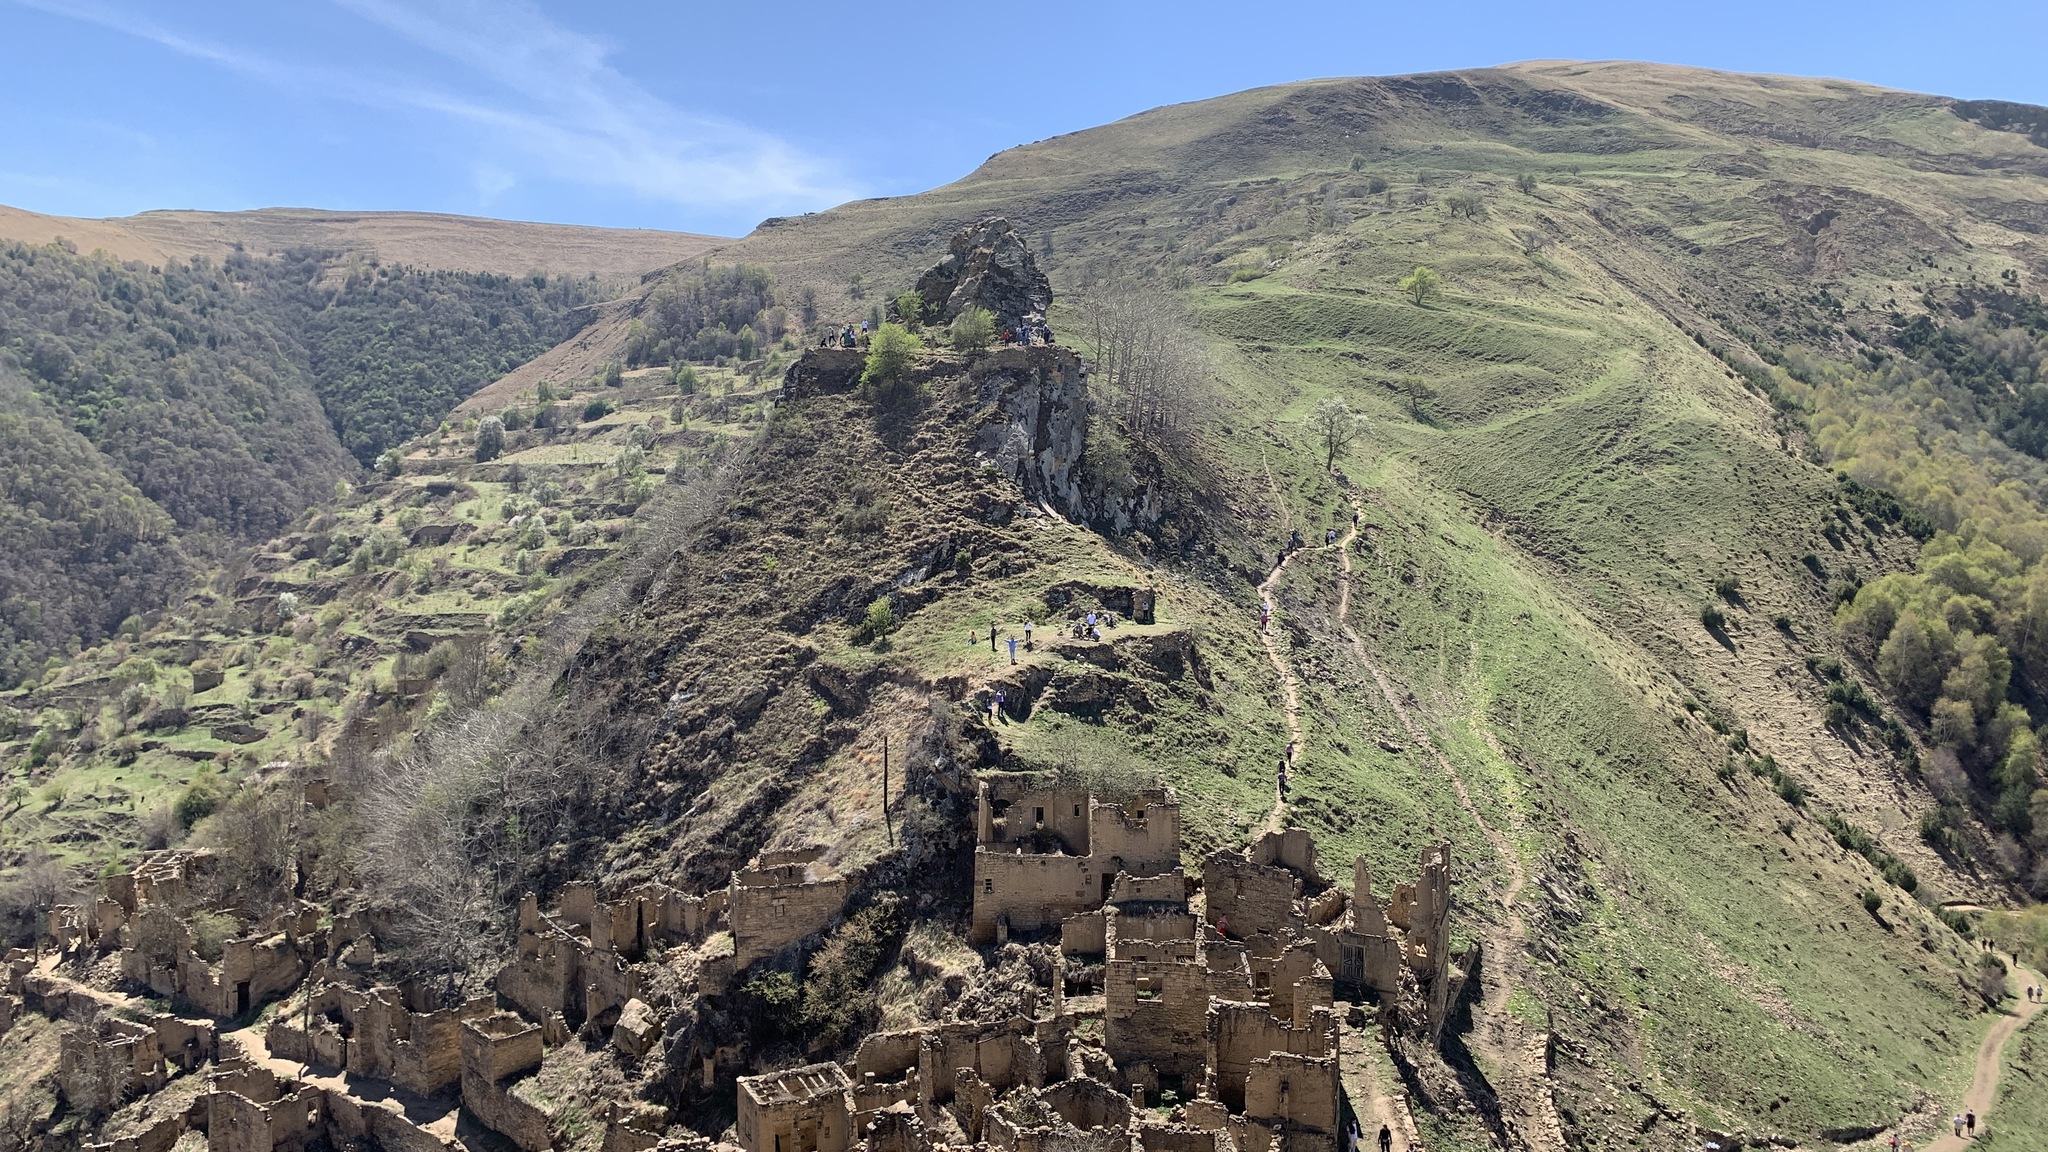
x=1290, y=688
x=1983, y=1090
x=1518, y=1051
x=1374, y=1106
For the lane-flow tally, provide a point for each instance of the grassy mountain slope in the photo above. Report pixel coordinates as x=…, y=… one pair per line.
x=216, y=402
x=371, y=614
x=1698, y=876
x=1558, y=476
x=424, y=240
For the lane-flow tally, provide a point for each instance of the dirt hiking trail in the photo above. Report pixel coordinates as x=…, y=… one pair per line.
x=1515, y=1051
x=1983, y=1090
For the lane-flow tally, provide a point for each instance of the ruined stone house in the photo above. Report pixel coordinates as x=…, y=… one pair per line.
x=1044, y=854
x=805, y=1109
x=497, y=1050
x=384, y=1032
x=781, y=898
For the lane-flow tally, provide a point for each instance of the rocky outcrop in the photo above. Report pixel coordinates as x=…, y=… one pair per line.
x=1036, y=432
x=989, y=265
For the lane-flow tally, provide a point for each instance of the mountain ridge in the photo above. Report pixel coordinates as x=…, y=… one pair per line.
x=427, y=240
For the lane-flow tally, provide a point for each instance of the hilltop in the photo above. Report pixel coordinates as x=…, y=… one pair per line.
x=424, y=240
x=1677, y=589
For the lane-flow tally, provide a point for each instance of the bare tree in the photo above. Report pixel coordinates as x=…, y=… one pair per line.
x=1336, y=426
x=446, y=820
x=1151, y=363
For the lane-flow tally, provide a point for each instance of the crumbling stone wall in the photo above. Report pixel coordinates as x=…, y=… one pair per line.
x=376, y=1033
x=100, y=1066
x=496, y=1051
x=249, y=1110
x=1245, y=898
x=782, y=898
x=1156, y=1012
x=1043, y=855
x=1240, y=1033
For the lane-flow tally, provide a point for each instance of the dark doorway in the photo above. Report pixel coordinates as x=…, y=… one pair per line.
x=242, y=998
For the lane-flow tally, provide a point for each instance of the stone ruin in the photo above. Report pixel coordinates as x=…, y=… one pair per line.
x=1222, y=998
x=989, y=265
x=779, y=899
x=382, y=1032
x=1219, y=1000
x=144, y=916
x=1043, y=854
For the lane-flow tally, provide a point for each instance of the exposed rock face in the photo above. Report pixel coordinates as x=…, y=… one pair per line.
x=1037, y=431
x=988, y=265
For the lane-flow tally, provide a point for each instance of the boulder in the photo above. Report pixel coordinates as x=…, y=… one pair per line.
x=637, y=1029
x=988, y=264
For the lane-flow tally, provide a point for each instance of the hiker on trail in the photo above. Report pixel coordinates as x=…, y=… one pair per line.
x=995, y=705
x=1970, y=1122
x=1027, y=637
x=1386, y=1138
x=1956, y=1122
x=1283, y=779
x=1013, y=649
x=1291, y=750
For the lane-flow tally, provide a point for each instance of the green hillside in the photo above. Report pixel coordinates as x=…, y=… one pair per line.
x=202, y=407
x=1681, y=578
x=1573, y=451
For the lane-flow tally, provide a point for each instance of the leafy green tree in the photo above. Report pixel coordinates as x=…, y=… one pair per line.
x=974, y=329
x=612, y=374
x=490, y=438
x=910, y=309
x=885, y=379
x=1335, y=426
x=1421, y=284
x=1526, y=182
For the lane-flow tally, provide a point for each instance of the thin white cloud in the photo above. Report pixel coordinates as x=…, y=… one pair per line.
x=542, y=99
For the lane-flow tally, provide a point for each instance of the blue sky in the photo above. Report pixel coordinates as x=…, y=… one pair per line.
x=709, y=117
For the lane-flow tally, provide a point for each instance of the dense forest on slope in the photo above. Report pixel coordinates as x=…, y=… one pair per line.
x=1948, y=413
x=185, y=402
x=85, y=548
x=390, y=349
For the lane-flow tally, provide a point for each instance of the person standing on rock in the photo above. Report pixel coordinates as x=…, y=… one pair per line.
x=991, y=635
x=1013, y=649
x=1027, y=637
